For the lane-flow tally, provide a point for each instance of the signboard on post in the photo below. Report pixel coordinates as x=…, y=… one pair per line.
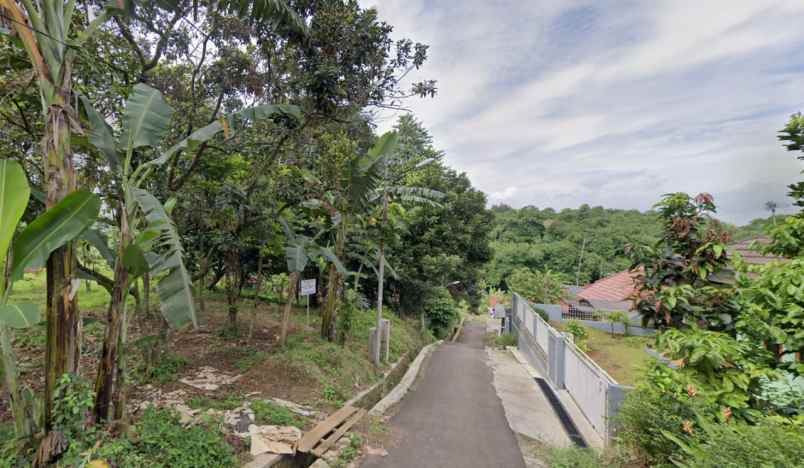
x=307, y=287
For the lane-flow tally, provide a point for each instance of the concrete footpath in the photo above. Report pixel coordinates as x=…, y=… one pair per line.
x=453, y=416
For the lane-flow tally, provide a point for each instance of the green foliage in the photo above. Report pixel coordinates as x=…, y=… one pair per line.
x=347, y=314
x=738, y=445
x=535, y=286
x=72, y=405
x=722, y=368
x=578, y=331
x=619, y=317
x=676, y=273
x=440, y=312
x=250, y=359
x=574, y=457
x=772, y=311
x=505, y=340
x=164, y=370
x=787, y=237
x=266, y=412
x=648, y=412
x=784, y=395
x=543, y=239
x=160, y=440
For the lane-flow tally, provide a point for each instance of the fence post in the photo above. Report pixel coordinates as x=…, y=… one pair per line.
x=615, y=395
x=555, y=357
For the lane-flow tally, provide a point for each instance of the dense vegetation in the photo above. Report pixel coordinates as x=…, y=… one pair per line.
x=214, y=149
x=581, y=245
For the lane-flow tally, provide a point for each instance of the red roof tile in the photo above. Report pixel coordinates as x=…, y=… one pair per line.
x=617, y=287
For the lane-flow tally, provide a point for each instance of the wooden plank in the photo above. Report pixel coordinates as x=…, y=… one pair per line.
x=330, y=441
x=311, y=438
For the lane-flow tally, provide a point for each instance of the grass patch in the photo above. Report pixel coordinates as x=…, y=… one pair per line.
x=165, y=371
x=621, y=356
x=336, y=370
x=266, y=412
x=250, y=359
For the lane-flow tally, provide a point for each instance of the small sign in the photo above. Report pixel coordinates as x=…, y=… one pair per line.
x=499, y=311
x=308, y=287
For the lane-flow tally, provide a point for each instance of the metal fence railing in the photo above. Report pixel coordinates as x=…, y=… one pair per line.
x=566, y=367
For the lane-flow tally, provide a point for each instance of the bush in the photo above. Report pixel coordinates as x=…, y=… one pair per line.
x=162, y=441
x=645, y=415
x=738, y=445
x=505, y=340
x=573, y=457
x=577, y=331
x=440, y=312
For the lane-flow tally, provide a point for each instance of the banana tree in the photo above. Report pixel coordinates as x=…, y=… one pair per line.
x=45, y=29
x=343, y=199
x=148, y=241
x=31, y=248
x=299, y=250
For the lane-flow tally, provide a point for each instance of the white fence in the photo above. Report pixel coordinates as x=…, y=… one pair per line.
x=568, y=368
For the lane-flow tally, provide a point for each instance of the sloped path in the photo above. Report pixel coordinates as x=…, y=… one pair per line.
x=453, y=416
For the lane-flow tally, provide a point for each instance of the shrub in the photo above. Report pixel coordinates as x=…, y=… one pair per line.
x=737, y=445
x=505, y=340
x=440, y=312
x=163, y=441
x=646, y=414
x=164, y=370
x=577, y=331
x=573, y=457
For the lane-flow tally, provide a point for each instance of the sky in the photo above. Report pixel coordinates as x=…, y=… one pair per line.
x=556, y=103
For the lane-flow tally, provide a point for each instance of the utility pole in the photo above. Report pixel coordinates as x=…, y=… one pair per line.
x=580, y=261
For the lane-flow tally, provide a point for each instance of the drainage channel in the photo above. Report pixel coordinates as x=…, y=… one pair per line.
x=569, y=426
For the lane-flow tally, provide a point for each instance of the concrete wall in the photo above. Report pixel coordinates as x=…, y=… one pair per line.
x=566, y=367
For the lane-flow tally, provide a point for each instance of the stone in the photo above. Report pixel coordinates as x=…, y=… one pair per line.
x=320, y=463
x=377, y=452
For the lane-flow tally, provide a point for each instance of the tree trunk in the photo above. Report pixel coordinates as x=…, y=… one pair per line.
x=108, y=372
x=202, y=283
x=329, y=314
x=146, y=293
x=257, y=289
x=293, y=281
x=62, y=314
x=232, y=286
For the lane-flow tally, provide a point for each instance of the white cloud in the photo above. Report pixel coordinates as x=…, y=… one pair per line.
x=562, y=103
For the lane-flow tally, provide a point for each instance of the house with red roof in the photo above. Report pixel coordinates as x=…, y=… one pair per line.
x=611, y=294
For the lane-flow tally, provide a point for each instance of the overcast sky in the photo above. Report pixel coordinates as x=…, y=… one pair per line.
x=607, y=102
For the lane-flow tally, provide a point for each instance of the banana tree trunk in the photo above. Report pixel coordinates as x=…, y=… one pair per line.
x=292, y=282
x=330, y=315
x=146, y=293
x=63, y=319
x=22, y=423
x=108, y=371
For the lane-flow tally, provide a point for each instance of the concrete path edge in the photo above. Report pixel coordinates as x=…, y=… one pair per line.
x=395, y=396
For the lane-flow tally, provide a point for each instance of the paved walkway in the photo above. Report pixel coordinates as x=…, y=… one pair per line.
x=453, y=416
